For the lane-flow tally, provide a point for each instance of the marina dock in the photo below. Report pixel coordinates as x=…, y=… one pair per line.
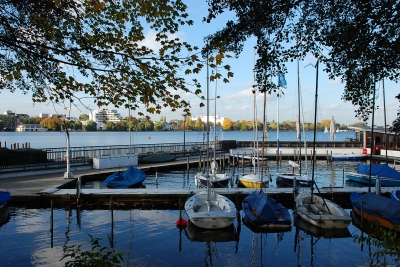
x=50, y=189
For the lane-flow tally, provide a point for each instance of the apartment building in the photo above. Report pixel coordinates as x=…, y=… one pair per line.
x=104, y=115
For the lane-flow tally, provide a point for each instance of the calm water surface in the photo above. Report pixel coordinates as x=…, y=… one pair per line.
x=78, y=139
x=151, y=238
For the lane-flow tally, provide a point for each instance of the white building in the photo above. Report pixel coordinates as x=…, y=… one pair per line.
x=30, y=128
x=104, y=115
x=210, y=118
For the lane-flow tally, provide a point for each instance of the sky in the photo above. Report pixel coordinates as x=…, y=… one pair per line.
x=235, y=99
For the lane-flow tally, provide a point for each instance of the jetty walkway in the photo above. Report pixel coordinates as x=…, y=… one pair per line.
x=48, y=188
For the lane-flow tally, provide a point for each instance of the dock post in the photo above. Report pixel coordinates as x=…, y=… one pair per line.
x=280, y=156
x=276, y=152
x=243, y=162
x=343, y=178
x=78, y=189
x=156, y=178
x=378, y=186
x=188, y=165
x=51, y=216
x=200, y=162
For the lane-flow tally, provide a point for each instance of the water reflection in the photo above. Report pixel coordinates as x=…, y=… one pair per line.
x=151, y=237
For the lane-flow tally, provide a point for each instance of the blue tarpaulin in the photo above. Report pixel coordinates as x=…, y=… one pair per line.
x=381, y=170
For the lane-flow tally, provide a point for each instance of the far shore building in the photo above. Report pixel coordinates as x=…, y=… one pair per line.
x=212, y=119
x=30, y=128
x=104, y=115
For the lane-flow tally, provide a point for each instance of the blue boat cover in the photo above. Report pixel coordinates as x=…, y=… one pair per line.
x=382, y=170
x=130, y=178
x=383, y=207
x=4, y=197
x=263, y=210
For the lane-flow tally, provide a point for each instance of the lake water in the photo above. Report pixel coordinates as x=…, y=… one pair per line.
x=80, y=139
x=151, y=238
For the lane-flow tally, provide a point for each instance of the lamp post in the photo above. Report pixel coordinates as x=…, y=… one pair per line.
x=184, y=133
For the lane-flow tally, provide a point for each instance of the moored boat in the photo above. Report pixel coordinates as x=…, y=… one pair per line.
x=321, y=212
x=388, y=176
x=265, y=213
x=130, y=178
x=4, y=198
x=382, y=210
x=158, y=158
x=348, y=157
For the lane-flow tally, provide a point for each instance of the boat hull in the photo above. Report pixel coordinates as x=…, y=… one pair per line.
x=363, y=179
x=213, y=212
x=395, y=194
x=253, y=180
x=287, y=180
x=349, y=157
x=321, y=212
x=220, y=180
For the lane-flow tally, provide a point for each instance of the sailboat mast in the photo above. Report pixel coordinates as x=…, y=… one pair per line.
x=298, y=118
x=208, y=133
x=215, y=120
x=384, y=119
x=315, y=129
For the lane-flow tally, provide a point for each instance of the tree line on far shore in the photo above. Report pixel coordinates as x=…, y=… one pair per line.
x=55, y=123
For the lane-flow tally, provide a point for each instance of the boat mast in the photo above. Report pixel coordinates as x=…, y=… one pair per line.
x=315, y=130
x=208, y=133
x=298, y=117
x=384, y=119
x=215, y=125
x=372, y=138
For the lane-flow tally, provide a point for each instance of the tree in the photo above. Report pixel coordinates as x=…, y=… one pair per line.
x=78, y=126
x=52, y=123
x=358, y=41
x=90, y=126
x=57, y=49
x=110, y=126
x=158, y=126
x=227, y=124
x=83, y=117
x=198, y=124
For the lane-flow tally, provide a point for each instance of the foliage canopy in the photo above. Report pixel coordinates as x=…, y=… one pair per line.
x=358, y=41
x=75, y=49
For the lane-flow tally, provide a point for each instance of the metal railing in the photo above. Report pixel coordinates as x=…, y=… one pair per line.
x=28, y=159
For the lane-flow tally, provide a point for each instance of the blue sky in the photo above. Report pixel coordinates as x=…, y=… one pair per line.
x=236, y=99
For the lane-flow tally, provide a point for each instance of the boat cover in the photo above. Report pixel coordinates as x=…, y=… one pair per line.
x=131, y=177
x=262, y=209
x=383, y=207
x=4, y=197
x=382, y=170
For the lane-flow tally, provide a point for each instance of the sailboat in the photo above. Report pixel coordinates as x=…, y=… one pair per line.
x=314, y=209
x=262, y=211
x=208, y=209
x=295, y=177
x=326, y=130
x=255, y=179
x=216, y=179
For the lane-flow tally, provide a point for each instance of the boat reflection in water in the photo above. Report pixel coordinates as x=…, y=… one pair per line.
x=213, y=236
x=304, y=229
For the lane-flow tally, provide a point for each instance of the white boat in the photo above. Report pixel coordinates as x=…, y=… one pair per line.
x=314, y=209
x=321, y=212
x=208, y=209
